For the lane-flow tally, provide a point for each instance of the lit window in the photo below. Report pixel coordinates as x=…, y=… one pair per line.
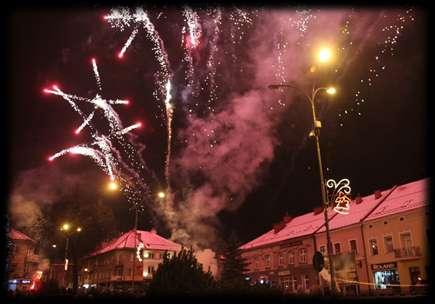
x=303, y=256
x=388, y=243
x=353, y=248
x=373, y=247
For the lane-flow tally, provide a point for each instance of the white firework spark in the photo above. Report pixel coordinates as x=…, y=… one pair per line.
x=169, y=113
x=103, y=155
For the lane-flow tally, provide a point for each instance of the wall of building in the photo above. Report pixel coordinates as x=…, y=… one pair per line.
x=343, y=236
x=401, y=259
x=287, y=264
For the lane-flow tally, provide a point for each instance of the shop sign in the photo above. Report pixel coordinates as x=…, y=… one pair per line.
x=385, y=266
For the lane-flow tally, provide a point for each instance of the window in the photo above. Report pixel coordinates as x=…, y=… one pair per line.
x=405, y=240
x=303, y=256
x=267, y=260
x=293, y=283
x=257, y=263
x=352, y=245
x=306, y=282
x=388, y=243
x=285, y=283
x=291, y=258
x=323, y=249
x=281, y=259
x=337, y=248
x=373, y=247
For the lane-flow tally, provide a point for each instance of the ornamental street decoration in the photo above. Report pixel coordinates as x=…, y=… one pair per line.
x=139, y=251
x=340, y=195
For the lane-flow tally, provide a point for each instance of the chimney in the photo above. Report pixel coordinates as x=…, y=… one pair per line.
x=378, y=194
x=287, y=219
x=153, y=230
x=317, y=210
x=358, y=199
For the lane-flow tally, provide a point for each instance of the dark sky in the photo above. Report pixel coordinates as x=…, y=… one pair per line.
x=383, y=147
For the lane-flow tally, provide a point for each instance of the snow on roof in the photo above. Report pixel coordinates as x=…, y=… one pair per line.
x=127, y=240
x=404, y=198
x=357, y=210
x=16, y=235
x=299, y=226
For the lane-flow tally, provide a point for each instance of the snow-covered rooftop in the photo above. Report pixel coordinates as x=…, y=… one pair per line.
x=150, y=240
x=404, y=198
x=299, y=226
x=396, y=199
x=358, y=210
x=16, y=235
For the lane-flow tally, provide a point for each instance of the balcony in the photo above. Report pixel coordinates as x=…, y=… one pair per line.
x=407, y=252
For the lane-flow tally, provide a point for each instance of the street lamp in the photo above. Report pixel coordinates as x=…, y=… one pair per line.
x=161, y=194
x=325, y=55
x=112, y=186
x=316, y=133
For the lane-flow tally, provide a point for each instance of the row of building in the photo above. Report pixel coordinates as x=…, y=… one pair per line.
x=379, y=247
x=117, y=264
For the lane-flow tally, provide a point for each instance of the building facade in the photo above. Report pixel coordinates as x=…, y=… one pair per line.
x=129, y=259
x=23, y=260
x=379, y=247
x=283, y=256
x=397, y=236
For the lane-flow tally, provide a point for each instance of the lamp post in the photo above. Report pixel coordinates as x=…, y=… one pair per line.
x=316, y=134
x=67, y=229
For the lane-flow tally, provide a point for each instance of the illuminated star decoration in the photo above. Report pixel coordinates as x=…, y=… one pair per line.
x=339, y=196
x=101, y=149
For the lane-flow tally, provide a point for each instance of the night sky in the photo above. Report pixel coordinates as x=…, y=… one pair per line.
x=383, y=147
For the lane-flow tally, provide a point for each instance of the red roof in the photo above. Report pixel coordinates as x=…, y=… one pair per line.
x=299, y=226
x=16, y=235
x=358, y=211
x=404, y=198
x=150, y=240
x=397, y=199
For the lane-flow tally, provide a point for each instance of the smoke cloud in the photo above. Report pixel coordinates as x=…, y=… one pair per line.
x=228, y=152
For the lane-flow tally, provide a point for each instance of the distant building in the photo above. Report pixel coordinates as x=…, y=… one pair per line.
x=111, y=266
x=23, y=260
x=379, y=247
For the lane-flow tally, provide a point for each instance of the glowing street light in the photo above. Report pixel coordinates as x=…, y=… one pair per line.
x=161, y=194
x=112, y=186
x=331, y=91
x=54, y=245
x=324, y=55
x=79, y=229
x=65, y=227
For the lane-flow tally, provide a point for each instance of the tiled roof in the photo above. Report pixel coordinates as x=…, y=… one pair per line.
x=16, y=235
x=404, y=198
x=150, y=240
x=299, y=226
x=397, y=199
x=358, y=210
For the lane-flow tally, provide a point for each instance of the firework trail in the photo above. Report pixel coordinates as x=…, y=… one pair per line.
x=122, y=18
x=102, y=150
x=190, y=39
x=169, y=113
